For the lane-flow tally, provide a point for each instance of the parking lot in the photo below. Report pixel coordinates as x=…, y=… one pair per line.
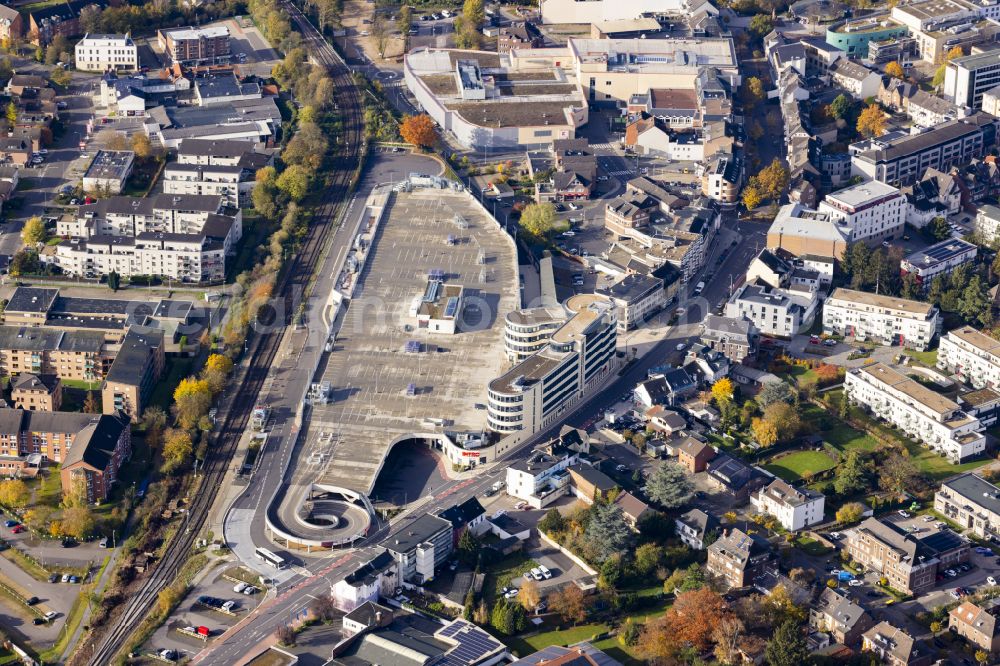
x=192, y=613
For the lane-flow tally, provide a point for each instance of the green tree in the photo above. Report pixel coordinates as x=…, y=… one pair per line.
x=938, y=229
x=669, y=486
x=538, y=221
x=468, y=547
x=114, y=281
x=552, y=523
x=648, y=558
x=294, y=181
x=607, y=533
x=90, y=404
x=975, y=305
x=761, y=25
x=60, y=77
x=841, y=106
x=850, y=513
x=693, y=579
x=911, y=288
x=897, y=474
x=474, y=13
x=852, y=474
x=787, y=646
x=33, y=232
x=11, y=113
x=177, y=449
x=405, y=19
x=508, y=618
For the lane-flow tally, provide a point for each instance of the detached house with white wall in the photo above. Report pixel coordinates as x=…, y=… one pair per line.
x=795, y=508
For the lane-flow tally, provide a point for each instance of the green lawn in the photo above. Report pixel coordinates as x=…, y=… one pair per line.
x=527, y=645
x=791, y=467
x=811, y=546
x=928, y=358
x=163, y=391
x=615, y=650
x=81, y=384
x=506, y=570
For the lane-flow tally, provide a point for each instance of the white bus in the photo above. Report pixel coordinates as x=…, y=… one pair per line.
x=264, y=555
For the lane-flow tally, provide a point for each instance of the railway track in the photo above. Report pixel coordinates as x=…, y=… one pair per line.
x=263, y=346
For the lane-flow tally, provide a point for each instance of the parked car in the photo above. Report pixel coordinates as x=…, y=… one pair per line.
x=17, y=529
x=249, y=589
x=904, y=514
x=103, y=543
x=239, y=587
x=10, y=523
x=65, y=578
x=990, y=580
x=928, y=518
x=37, y=621
x=74, y=579
x=546, y=573
x=53, y=578
x=31, y=601
x=51, y=615
x=229, y=605
x=829, y=343
x=536, y=573
x=68, y=543
x=854, y=582
x=680, y=346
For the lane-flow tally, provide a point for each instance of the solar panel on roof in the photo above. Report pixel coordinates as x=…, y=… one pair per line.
x=451, y=307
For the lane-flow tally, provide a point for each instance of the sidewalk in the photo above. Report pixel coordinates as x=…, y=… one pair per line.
x=85, y=620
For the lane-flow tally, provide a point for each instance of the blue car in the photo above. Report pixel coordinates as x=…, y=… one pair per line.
x=845, y=575
x=10, y=523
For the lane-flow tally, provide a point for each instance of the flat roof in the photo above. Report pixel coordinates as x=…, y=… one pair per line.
x=110, y=165
x=931, y=9
x=914, y=389
x=852, y=297
x=975, y=338
x=940, y=252
x=862, y=193
x=370, y=370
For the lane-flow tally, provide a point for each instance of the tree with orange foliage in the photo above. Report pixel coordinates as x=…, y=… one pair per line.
x=827, y=374
x=894, y=69
x=692, y=620
x=419, y=130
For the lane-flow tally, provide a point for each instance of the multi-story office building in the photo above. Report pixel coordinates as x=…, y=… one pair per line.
x=972, y=356
x=938, y=259
x=853, y=37
x=579, y=354
x=966, y=79
x=420, y=547
x=795, y=508
x=972, y=502
x=195, y=46
x=885, y=319
x=872, y=211
x=773, y=311
x=528, y=331
x=921, y=413
x=904, y=159
x=908, y=561
x=101, y=53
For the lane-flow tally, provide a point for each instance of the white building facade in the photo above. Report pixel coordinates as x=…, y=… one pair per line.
x=872, y=211
x=921, y=413
x=101, y=53
x=794, y=508
x=779, y=312
x=885, y=319
x=973, y=356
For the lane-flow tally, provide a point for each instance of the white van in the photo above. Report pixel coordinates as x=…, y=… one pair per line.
x=698, y=288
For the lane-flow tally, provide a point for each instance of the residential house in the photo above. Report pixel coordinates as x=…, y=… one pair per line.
x=519, y=35
x=972, y=502
x=634, y=510
x=576, y=169
x=694, y=526
x=840, y=616
x=694, y=455
x=469, y=516
x=11, y=25
x=735, y=338
x=795, y=508
x=735, y=477
x=736, y=558
x=589, y=483
x=855, y=78
x=97, y=453
x=895, y=647
x=379, y=577
x=977, y=623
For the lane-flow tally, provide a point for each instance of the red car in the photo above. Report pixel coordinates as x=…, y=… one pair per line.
x=17, y=529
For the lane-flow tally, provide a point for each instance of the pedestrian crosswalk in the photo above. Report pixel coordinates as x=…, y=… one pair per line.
x=604, y=146
x=621, y=172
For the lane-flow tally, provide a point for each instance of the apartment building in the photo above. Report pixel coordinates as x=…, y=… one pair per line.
x=972, y=356
x=41, y=393
x=938, y=259
x=871, y=211
x=184, y=238
x=635, y=299
x=885, y=319
x=910, y=563
x=734, y=338
x=736, y=558
x=902, y=159
x=46, y=21
x=972, y=502
x=89, y=447
x=137, y=367
x=628, y=212
x=102, y=53
x=895, y=647
x=378, y=577
x=232, y=184
x=420, y=547
x=987, y=223
x=195, y=46
x=774, y=311
x=977, y=623
x=837, y=614
x=217, y=152
x=795, y=508
x=722, y=178
x=855, y=78
x=77, y=355
x=578, y=355
x=923, y=414
x=542, y=477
